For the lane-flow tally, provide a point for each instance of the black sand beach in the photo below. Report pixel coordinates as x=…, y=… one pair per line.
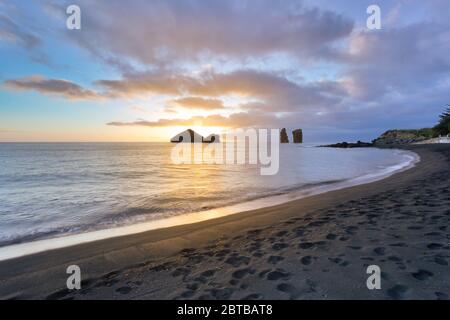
x=313, y=248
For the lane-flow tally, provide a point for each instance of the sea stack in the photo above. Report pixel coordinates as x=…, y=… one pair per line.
x=212, y=138
x=298, y=136
x=190, y=136
x=187, y=136
x=283, y=136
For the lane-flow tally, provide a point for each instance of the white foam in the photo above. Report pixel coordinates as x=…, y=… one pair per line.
x=23, y=249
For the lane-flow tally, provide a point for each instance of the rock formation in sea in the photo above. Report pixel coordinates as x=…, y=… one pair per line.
x=283, y=136
x=212, y=138
x=190, y=136
x=298, y=136
x=187, y=136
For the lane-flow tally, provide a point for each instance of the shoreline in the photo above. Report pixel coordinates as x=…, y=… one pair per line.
x=42, y=245
x=106, y=263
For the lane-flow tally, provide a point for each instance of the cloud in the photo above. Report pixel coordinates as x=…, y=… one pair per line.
x=262, y=91
x=398, y=61
x=198, y=103
x=162, y=32
x=58, y=87
x=236, y=120
x=275, y=93
x=12, y=32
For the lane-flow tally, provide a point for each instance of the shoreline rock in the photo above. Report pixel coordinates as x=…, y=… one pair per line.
x=345, y=145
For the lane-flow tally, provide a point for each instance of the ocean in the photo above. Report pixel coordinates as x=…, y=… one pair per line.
x=50, y=190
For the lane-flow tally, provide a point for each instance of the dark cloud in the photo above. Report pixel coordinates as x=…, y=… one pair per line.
x=275, y=93
x=398, y=61
x=56, y=87
x=160, y=31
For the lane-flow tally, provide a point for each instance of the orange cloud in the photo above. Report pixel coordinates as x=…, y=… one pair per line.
x=198, y=103
x=236, y=120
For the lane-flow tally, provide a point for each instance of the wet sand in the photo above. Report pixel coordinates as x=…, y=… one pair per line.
x=313, y=248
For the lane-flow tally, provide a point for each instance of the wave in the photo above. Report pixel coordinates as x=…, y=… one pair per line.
x=28, y=245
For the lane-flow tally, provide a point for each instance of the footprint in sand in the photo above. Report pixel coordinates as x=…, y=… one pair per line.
x=221, y=294
x=253, y=296
x=263, y=273
x=440, y=260
x=306, y=260
x=305, y=245
x=344, y=263
x=331, y=236
x=299, y=231
x=222, y=253
x=367, y=258
x=58, y=295
x=187, y=294
x=254, y=246
x=422, y=274
x=289, y=289
x=335, y=260
x=188, y=252
x=380, y=251
x=279, y=246
x=278, y=274
x=274, y=259
x=106, y=283
x=281, y=233
x=124, y=290
x=237, y=261
x=399, y=244
x=233, y=282
x=397, y=292
x=433, y=234
x=441, y=295
x=208, y=273
x=394, y=258
x=434, y=246
x=258, y=254
x=192, y=286
x=239, y=274
x=180, y=272
x=351, y=230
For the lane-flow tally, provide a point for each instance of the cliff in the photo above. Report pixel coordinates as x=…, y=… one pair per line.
x=403, y=136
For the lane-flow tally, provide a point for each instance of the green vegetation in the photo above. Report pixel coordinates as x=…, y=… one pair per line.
x=406, y=136
x=443, y=127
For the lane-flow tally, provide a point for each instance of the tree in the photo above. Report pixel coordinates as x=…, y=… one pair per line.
x=443, y=127
x=446, y=113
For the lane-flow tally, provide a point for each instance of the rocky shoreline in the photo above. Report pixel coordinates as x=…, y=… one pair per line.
x=344, y=144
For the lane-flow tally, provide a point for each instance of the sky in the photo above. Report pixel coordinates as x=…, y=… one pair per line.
x=144, y=70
